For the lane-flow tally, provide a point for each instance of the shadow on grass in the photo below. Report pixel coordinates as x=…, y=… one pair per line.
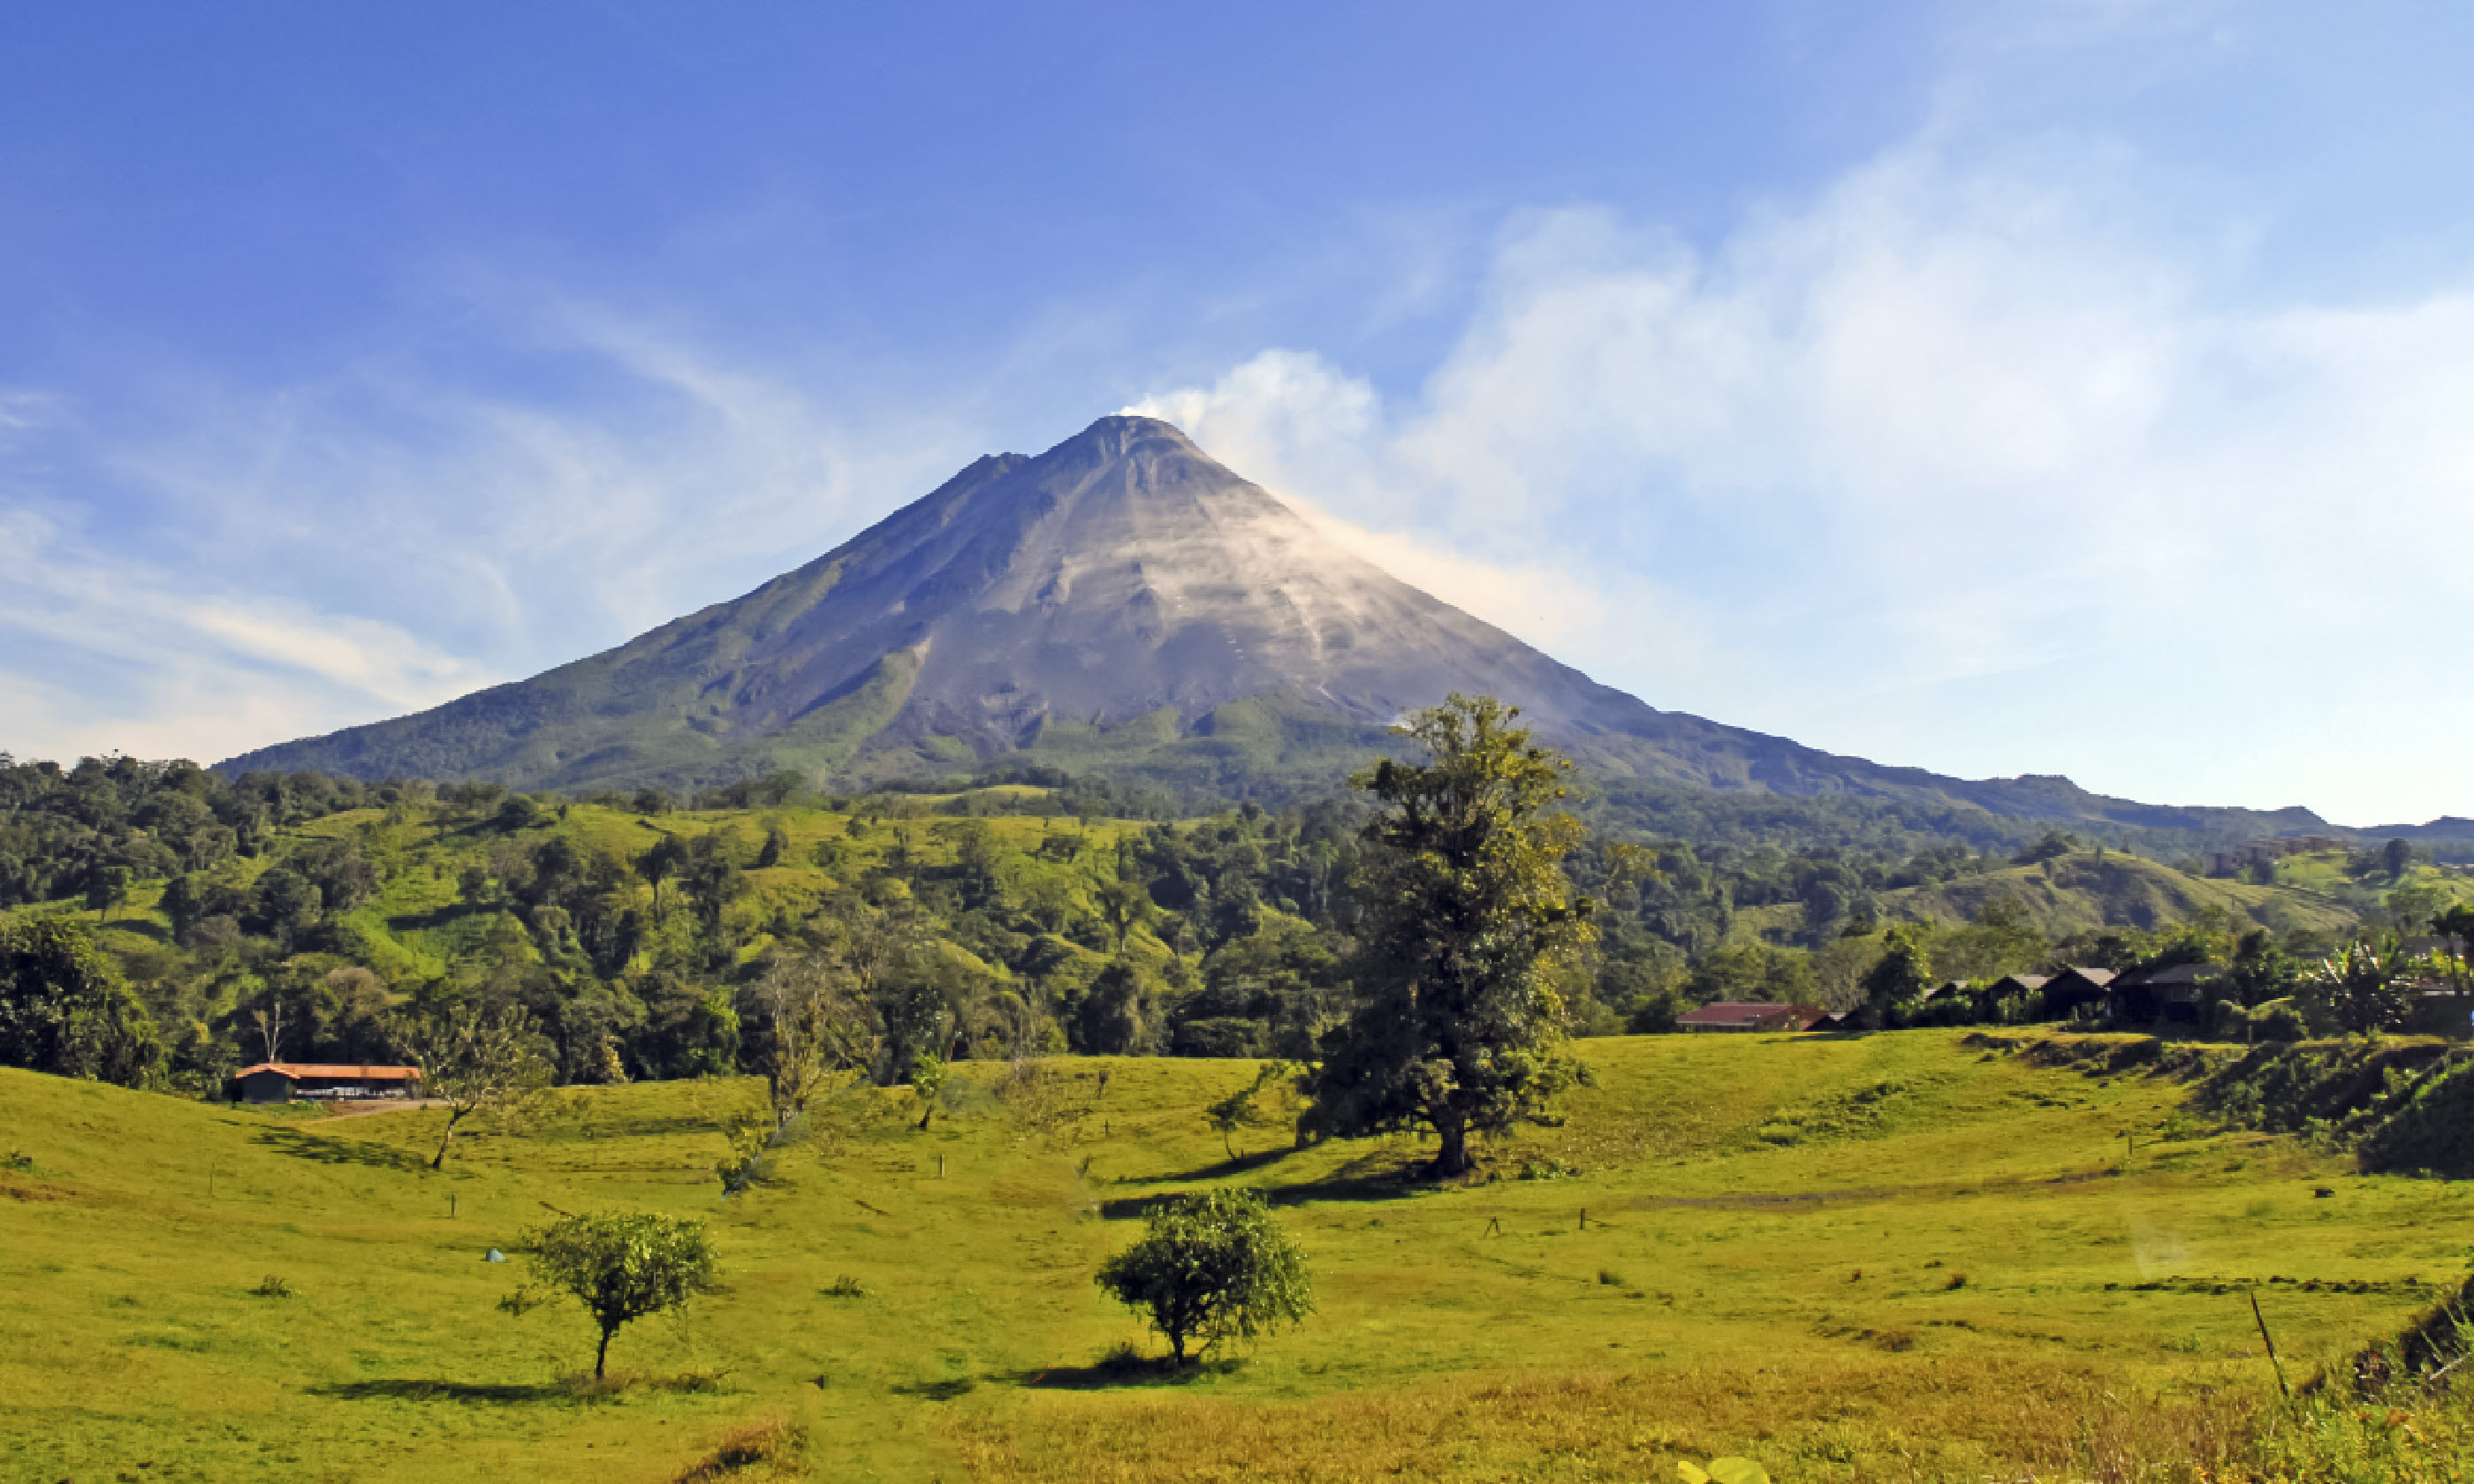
x=434, y=917
x=1386, y=1186
x=1220, y=1170
x=1117, y=1373
x=567, y=1390
x=341, y=1151
x=495, y=1394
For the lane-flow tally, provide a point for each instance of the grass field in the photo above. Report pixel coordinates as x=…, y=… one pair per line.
x=1904, y=1255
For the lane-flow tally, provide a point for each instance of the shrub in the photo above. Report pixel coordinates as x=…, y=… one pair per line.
x=777, y=1446
x=2279, y=1020
x=273, y=1287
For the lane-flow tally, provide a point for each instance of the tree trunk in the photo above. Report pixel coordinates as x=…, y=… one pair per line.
x=454, y=1116
x=601, y=1356
x=1453, y=1158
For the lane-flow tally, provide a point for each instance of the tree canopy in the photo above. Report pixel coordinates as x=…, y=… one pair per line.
x=471, y=1057
x=1465, y=909
x=64, y=1008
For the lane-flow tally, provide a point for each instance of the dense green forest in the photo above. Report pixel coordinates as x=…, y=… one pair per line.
x=302, y=916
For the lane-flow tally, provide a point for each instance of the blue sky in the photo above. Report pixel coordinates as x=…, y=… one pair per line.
x=2073, y=387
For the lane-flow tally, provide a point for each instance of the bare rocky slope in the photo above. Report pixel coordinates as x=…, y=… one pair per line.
x=1121, y=603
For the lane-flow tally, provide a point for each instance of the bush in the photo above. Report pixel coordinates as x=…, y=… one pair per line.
x=2279, y=1020
x=2432, y=1130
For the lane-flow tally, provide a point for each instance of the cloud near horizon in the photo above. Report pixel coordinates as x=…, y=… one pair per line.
x=394, y=535
x=1942, y=442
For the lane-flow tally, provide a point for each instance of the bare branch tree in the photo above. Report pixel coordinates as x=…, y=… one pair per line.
x=270, y=1026
x=472, y=1059
x=817, y=1025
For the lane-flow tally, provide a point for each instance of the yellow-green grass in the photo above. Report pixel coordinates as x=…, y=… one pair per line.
x=1735, y=1187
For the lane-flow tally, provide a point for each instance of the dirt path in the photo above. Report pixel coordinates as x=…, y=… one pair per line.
x=362, y=1107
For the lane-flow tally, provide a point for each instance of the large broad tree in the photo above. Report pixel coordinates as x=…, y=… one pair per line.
x=473, y=1059
x=1466, y=911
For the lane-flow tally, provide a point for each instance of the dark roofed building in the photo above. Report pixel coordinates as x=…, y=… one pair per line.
x=2170, y=994
x=2073, y=987
x=280, y=1082
x=1732, y=1015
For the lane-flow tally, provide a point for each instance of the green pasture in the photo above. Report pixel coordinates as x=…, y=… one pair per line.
x=1831, y=1253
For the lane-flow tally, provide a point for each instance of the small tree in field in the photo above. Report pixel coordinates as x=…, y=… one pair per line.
x=1272, y=1093
x=928, y=1076
x=1209, y=1266
x=470, y=1059
x=620, y=1267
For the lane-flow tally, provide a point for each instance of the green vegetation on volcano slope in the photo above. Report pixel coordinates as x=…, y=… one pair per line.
x=1839, y=1257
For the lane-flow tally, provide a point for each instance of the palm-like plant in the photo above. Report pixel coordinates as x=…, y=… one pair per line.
x=2361, y=986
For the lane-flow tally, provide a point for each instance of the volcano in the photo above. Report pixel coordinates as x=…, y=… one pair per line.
x=1121, y=603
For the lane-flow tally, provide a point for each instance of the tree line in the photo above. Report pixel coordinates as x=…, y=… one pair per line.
x=298, y=917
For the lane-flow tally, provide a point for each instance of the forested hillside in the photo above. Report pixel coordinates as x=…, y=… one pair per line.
x=302, y=916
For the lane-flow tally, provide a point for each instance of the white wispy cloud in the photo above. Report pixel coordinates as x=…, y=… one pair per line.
x=257, y=565
x=139, y=657
x=1950, y=466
